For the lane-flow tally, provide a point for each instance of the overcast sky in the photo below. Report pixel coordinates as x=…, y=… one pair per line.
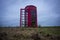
x=48, y=12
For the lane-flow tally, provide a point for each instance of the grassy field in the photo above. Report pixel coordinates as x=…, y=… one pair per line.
x=42, y=33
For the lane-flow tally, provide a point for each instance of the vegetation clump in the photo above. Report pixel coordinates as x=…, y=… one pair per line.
x=3, y=36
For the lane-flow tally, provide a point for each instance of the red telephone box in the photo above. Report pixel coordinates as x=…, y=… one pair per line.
x=30, y=16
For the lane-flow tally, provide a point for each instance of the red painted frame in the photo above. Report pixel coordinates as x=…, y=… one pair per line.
x=28, y=9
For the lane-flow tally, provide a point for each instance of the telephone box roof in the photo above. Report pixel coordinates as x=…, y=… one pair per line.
x=30, y=7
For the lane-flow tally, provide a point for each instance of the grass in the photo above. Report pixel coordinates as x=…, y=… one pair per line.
x=17, y=33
